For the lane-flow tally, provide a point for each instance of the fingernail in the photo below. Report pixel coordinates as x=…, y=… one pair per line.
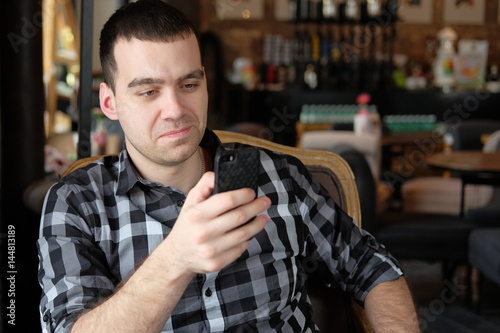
x=267, y=202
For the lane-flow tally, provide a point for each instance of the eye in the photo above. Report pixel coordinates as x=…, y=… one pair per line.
x=148, y=93
x=190, y=86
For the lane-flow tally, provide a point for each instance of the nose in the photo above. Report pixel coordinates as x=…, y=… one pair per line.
x=171, y=106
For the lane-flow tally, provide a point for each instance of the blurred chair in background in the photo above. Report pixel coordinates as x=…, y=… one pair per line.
x=363, y=153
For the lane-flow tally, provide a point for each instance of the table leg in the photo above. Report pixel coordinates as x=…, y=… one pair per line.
x=462, y=200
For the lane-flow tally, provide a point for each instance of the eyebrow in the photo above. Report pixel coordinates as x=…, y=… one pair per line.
x=196, y=74
x=144, y=81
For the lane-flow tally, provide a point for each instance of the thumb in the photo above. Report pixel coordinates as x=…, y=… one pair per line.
x=202, y=190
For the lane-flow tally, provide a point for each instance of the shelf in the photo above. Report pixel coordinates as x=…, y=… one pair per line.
x=61, y=47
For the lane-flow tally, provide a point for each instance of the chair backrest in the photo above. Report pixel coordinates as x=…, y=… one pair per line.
x=492, y=143
x=368, y=145
x=82, y=163
x=467, y=134
x=334, y=311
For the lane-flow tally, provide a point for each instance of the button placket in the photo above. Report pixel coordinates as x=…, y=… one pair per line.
x=212, y=303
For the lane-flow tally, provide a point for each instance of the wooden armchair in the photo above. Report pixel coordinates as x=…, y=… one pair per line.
x=334, y=311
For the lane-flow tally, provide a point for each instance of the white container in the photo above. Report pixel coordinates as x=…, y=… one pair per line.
x=362, y=122
x=367, y=123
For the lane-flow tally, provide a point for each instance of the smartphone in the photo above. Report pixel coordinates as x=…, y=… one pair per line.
x=236, y=168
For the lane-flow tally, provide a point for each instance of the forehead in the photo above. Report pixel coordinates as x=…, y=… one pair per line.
x=169, y=60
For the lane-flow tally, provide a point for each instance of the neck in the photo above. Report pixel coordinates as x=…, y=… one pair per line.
x=183, y=176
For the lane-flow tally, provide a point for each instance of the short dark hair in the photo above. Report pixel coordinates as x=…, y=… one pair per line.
x=145, y=20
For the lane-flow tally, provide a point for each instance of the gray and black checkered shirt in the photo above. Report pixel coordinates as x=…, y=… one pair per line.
x=100, y=222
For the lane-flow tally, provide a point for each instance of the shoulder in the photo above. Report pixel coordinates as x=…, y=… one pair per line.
x=87, y=181
x=101, y=170
x=81, y=193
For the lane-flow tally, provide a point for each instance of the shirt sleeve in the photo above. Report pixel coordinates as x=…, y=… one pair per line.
x=72, y=271
x=343, y=254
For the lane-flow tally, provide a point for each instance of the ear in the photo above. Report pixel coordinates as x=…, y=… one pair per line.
x=107, y=100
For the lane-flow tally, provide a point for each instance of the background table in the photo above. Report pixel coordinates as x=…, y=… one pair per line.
x=473, y=167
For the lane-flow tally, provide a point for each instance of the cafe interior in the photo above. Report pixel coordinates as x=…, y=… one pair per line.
x=406, y=92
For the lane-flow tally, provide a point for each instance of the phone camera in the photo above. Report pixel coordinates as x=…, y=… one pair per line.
x=229, y=158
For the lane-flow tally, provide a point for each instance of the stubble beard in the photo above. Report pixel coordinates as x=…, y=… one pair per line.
x=176, y=151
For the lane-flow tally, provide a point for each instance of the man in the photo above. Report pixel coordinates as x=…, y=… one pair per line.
x=123, y=248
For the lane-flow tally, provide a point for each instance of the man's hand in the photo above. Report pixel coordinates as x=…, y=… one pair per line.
x=211, y=231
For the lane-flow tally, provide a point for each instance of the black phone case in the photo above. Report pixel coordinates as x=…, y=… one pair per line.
x=236, y=168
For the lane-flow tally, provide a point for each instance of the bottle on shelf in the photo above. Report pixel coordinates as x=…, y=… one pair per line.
x=335, y=59
x=337, y=46
x=329, y=9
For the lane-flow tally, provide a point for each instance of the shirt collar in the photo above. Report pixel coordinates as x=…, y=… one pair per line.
x=128, y=175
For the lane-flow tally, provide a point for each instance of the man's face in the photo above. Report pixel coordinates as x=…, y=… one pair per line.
x=160, y=98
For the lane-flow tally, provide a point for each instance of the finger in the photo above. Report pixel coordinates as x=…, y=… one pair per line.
x=220, y=203
x=239, y=216
x=236, y=237
x=252, y=228
x=209, y=207
x=202, y=190
x=218, y=226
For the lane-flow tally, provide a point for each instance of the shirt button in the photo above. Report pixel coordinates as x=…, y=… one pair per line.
x=208, y=292
x=180, y=203
x=46, y=318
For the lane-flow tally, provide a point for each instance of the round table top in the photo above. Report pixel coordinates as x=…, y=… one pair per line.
x=468, y=160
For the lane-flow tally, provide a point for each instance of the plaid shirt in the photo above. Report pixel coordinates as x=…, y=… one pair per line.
x=101, y=221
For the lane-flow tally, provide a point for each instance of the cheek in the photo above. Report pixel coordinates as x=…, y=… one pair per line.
x=134, y=118
x=201, y=102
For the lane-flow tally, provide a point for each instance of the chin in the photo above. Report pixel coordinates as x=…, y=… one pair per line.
x=176, y=154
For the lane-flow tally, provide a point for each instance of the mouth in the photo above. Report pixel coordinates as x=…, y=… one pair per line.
x=176, y=134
